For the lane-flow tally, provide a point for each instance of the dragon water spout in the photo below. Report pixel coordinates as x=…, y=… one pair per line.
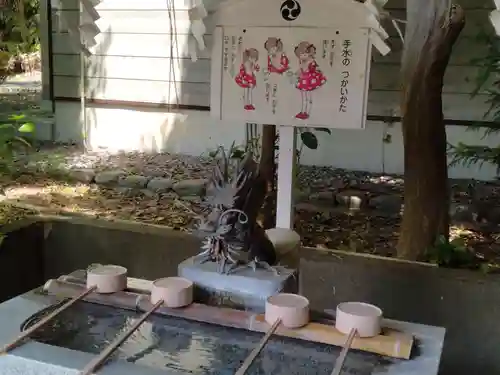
x=232, y=236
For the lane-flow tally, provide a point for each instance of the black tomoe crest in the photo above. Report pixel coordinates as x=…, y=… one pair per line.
x=290, y=10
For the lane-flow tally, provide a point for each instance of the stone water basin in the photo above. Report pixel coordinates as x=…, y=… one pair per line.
x=52, y=247
x=172, y=346
x=186, y=347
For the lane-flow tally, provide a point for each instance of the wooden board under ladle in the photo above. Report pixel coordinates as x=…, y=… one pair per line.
x=292, y=311
x=390, y=342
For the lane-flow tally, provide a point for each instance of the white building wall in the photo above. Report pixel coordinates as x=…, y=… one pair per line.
x=142, y=57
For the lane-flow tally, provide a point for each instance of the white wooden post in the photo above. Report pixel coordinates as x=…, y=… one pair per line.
x=286, y=177
x=83, y=78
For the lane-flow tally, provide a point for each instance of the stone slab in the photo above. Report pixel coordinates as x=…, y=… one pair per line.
x=244, y=289
x=35, y=358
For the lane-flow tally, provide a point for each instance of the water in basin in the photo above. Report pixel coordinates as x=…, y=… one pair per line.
x=194, y=348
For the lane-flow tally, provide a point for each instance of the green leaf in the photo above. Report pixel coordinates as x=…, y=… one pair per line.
x=324, y=130
x=27, y=127
x=309, y=140
x=17, y=117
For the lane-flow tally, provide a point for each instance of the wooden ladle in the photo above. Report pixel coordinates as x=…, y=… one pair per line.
x=291, y=310
x=100, y=279
x=173, y=292
x=355, y=319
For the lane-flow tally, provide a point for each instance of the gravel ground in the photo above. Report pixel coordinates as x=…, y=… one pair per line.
x=40, y=179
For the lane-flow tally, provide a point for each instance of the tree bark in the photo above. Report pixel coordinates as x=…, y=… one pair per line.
x=267, y=168
x=426, y=195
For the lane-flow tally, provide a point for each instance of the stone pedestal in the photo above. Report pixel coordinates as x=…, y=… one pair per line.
x=243, y=289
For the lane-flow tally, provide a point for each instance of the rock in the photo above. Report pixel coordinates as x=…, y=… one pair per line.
x=133, y=181
x=210, y=189
x=160, y=184
x=481, y=212
x=323, y=196
x=387, y=180
x=149, y=193
x=387, y=203
x=170, y=195
x=23, y=192
x=109, y=177
x=191, y=198
x=463, y=213
x=353, y=183
x=352, y=199
x=332, y=184
x=319, y=184
x=126, y=191
x=86, y=175
x=191, y=187
x=336, y=183
x=482, y=192
x=377, y=188
x=307, y=207
x=487, y=212
x=155, y=173
x=301, y=196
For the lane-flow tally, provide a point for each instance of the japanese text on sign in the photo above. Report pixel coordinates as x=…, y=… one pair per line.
x=344, y=83
x=275, y=98
x=234, y=45
x=328, y=50
x=226, y=53
x=332, y=47
x=267, y=85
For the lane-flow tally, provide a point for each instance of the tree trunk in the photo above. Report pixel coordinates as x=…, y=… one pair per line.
x=267, y=169
x=426, y=195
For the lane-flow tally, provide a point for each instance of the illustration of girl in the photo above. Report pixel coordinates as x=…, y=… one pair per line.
x=309, y=77
x=246, y=76
x=277, y=61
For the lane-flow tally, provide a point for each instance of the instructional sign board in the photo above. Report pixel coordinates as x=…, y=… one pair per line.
x=292, y=75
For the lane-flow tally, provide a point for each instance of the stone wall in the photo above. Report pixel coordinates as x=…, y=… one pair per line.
x=21, y=259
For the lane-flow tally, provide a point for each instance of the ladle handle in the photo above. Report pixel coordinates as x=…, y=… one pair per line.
x=339, y=363
x=256, y=351
x=45, y=320
x=103, y=356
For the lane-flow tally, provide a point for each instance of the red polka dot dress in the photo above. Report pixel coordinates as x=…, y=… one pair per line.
x=244, y=79
x=284, y=65
x=311, y=79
